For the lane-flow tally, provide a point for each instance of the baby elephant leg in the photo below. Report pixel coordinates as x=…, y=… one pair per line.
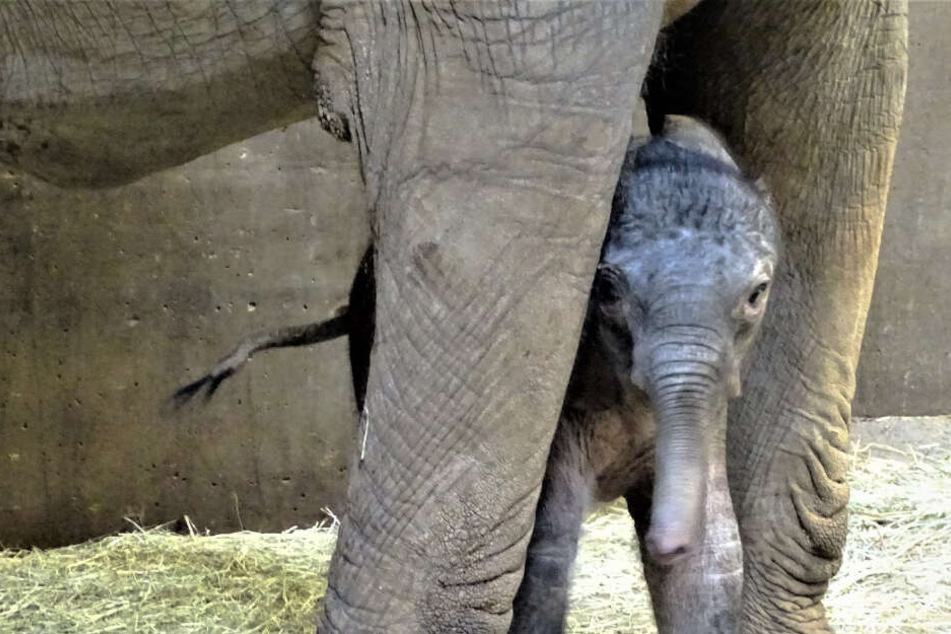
x=542, y=599
x=701, y=592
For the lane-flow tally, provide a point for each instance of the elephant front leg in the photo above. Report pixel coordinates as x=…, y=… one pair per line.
x=542, y=600
x=700, y=593
x=490, y=137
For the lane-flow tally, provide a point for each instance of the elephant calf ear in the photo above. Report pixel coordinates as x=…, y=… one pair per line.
x=693, y=134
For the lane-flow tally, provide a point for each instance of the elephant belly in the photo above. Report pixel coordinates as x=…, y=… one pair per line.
x=620, y=447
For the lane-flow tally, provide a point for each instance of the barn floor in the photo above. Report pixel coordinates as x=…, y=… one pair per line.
x=896, y=577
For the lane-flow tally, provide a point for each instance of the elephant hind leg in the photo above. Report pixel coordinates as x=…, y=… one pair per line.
x=542, y=600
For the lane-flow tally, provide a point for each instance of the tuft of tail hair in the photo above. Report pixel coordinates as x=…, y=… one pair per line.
x=290, y=336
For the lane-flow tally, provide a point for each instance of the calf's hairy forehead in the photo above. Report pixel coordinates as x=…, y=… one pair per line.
x=690, y=225
x=689, y=255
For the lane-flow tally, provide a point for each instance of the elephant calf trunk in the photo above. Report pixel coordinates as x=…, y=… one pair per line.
x=684, y=400
x=679, y=494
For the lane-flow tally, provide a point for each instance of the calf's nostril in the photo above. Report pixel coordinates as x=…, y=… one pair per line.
x=667, y=549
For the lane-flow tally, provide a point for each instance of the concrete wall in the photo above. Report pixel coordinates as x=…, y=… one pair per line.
x=111, y=299
x=905, y=368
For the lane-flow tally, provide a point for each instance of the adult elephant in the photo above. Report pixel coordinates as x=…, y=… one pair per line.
x=490, y=137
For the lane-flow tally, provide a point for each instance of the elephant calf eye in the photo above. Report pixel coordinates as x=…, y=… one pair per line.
x=609, y=293
x=757, y=293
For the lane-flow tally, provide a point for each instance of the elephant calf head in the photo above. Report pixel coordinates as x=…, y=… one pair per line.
x=681, y=290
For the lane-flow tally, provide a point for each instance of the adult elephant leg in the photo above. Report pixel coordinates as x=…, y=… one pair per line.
x=490, y=136
x=810, y=94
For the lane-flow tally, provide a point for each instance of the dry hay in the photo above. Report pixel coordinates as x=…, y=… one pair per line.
x=156, y=581
x=896, y=577
x=897, y=571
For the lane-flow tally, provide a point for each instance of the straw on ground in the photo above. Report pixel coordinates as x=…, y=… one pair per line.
x=896, y=578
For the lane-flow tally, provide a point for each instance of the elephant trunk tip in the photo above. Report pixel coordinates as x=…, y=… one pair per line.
x=677, y=510
x=668, y=546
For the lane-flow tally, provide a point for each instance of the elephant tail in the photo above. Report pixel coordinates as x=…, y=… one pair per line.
x=303, y=335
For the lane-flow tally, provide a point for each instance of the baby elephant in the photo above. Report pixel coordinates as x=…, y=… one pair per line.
x=679, y=295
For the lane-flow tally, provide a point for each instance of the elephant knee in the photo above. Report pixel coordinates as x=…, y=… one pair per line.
x=794, y=539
